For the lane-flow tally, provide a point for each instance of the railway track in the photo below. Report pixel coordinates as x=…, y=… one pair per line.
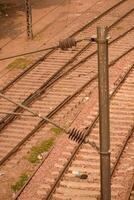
x=77, y=74
x=85, y=159
x=7, y=80
x=27, y=85
x=10, y=84
x=63, y=184
x=131, y=197
x=59, y=81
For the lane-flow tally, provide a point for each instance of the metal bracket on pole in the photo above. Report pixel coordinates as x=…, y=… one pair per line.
x=95, y=39
x=92, y=144
x=103, y=81
x=28, y=9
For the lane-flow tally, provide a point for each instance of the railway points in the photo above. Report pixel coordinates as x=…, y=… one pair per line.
x=59, y=84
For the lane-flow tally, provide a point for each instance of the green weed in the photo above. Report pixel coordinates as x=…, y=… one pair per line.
x=19, y=184
x=19, y=63
x=56, y=130
x=119, y=27
x=37, y=150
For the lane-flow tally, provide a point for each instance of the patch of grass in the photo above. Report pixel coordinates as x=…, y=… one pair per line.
x=119, y=28
x=56, y=130
x=37, y=38
x=19, y=63
x=19, y=184
x=37, y=150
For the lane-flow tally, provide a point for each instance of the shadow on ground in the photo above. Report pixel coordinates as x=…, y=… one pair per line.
x=10, y=26
x=48, y=3
x=12, y=15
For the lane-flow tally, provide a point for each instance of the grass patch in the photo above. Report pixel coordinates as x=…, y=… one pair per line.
x=37, y=150
x=19, y=63
x=19, y=184
x=37, y=37
x=119, y=28
x=56, y=130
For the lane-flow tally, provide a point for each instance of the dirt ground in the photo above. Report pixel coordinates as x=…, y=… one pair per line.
x=50, y=18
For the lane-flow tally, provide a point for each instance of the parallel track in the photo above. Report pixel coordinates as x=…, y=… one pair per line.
x=58, y=74
x=51, y=52
x=86, y=159
x=9, y=131
x=131, y=196
x=17, y=91
x=70, y=75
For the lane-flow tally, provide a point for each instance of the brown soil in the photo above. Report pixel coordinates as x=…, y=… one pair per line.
x=50, y=18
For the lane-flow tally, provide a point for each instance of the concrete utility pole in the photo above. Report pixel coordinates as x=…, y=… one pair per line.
x=28, y=9
x=102, y=42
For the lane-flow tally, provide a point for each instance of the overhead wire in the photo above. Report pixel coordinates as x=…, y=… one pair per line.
x=64, y=45
x=68, y=13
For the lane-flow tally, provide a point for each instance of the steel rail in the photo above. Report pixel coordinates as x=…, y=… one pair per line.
x=31, y=52
x=101, y=15
x=23, y=31
x=35, y=114
x=30, y=178
x=122, y=150
x=8, y=118
x=126, y=141
x=55, y=77
x=93, y=78
x=31, y=67
x=88, y=131
x=129, y=136
x=27, y=70
x=97, y=116
x=42, y=122
x=19, y=193
x=130, y=190
x=49, y=52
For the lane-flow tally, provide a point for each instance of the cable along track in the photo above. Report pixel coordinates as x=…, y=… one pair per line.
x=26, y=100
x=86, y=159
x=75, y=33
x=10, y=130
x=40, y=78
x=58, y=93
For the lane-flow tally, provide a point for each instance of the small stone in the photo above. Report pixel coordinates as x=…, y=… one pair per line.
x=2, y=173
x=81, y=175
x=44, y=154
x=13, y=195
x=40, y=157
x=86, y=99
x=76, y=173
x=130, y=169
